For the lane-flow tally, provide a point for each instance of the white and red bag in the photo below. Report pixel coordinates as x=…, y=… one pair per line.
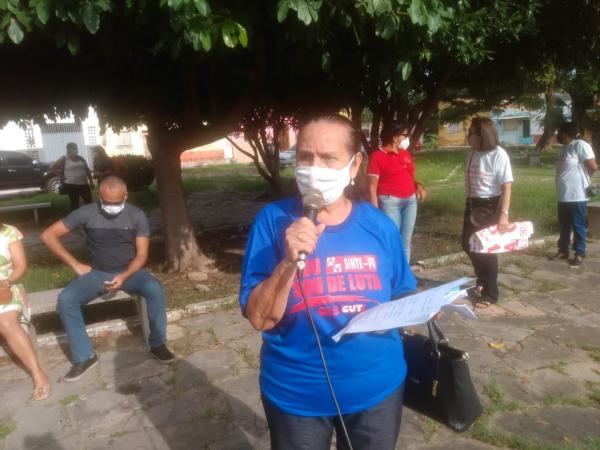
x=489, y=240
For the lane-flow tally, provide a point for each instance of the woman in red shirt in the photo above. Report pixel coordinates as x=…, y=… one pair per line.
x=392, y=185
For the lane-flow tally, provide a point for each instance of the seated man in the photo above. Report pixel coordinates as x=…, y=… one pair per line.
x=117, y=241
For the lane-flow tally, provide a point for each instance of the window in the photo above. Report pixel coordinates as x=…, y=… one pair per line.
x=92, y=135
x=511, y=125
x=453, y=127
x=124, y=139
x=526, y=128
x=29, y=137
x=17, y=159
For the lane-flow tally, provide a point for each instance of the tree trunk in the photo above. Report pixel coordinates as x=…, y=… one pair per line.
x=549, y=125
x=375, y=130
x=430, y=106
x=182, y=251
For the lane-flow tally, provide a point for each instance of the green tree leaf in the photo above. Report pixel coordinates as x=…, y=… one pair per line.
x=203, y=7
x=282, y=10
x=381, y=6
x=42, y=10
x=15, y=33
x=228, y=33
x=386, y=26
x=406, y=70
x=434, y=22
x=175, y=4
x=205, y=40
x=74, y=45
x=304, y=13
x=414, y=11
x=91, y=19
x=242, y=35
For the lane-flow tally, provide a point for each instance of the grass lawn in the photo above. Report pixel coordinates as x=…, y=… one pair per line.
x=439, y=220
x=437, y=231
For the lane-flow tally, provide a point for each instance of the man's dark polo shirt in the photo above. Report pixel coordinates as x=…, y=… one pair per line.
x=110, y=239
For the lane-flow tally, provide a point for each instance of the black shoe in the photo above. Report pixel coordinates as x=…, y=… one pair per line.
x=79, y=369
x=576, y=262
x=560, y=256
x=163, y=354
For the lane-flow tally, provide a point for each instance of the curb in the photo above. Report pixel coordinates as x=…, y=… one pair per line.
x=443, y=260
x=110, y=327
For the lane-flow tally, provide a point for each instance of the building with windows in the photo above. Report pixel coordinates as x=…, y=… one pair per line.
x=47, y=141
x=516, y=125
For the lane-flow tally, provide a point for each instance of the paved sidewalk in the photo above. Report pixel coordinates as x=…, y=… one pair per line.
x=534, y=357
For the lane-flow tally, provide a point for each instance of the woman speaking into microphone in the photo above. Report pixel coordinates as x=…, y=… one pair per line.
x=351, y=265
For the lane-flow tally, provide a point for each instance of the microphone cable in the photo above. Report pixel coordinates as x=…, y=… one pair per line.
x=299, y=275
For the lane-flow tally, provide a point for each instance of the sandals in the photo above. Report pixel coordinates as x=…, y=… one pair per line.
x=483, y=304
x=40, y=393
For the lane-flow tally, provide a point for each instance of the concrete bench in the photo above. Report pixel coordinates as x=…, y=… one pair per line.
x=46, y=301
x=593, y=210
x=27, y=206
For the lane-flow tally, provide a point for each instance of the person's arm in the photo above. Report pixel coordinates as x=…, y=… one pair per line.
x=373, y=182
x=420, y=191
x=88, y=172
x=58, y=168
x=18, y=261
x=504, y=206
x=591, y=166
x=51, y=238
x=142, y=244
x=268, y=300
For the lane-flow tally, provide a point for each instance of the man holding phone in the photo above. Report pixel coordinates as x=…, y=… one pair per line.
x=117, y=240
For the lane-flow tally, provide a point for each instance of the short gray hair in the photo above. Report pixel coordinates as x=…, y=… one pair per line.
x=112, y=182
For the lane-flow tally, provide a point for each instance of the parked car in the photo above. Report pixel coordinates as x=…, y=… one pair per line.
x=19, y=171
x=287, y=158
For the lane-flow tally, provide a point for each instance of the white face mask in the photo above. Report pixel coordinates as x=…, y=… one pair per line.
x=113, y=210
x=404, y=143
x=331, y=182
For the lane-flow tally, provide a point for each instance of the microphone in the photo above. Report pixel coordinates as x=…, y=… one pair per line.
x=312, y=202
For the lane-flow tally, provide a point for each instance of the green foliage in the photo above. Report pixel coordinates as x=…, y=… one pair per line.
x=191, y=23
x=136, y=171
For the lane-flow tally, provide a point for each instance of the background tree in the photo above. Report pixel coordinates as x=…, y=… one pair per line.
x=398, y=59
x=136, y=62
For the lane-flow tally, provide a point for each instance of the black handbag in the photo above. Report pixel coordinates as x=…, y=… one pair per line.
x=438, y=382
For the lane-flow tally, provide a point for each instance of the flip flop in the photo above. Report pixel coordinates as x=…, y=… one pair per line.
x=482, y=304
x=40, y=393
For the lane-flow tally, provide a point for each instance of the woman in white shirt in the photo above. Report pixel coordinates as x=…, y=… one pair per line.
x=574, y=167
x=488, y=181
x=75, y=176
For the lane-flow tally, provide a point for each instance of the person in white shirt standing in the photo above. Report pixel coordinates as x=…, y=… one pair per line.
x=574, y=167
x=75, y=175
x=488, y=182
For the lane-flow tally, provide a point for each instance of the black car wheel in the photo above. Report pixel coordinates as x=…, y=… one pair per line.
x=53, y=185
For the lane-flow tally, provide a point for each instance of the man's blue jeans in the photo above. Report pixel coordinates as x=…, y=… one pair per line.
x=571, y=216
x=87, y=287
x=403, y=212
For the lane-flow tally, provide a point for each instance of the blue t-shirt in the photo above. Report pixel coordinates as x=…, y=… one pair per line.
x=357, y=265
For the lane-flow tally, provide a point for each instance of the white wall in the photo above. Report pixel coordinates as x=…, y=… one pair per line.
x=13, y=137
